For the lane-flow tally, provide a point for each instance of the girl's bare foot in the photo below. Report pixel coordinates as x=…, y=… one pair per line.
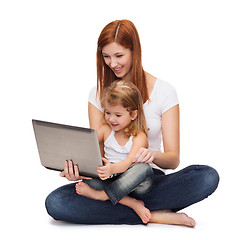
x=138, y=207
x=85, y=190
x=142, y=211
x=169, y=217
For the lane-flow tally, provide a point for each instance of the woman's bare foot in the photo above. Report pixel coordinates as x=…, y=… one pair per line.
x=85, y=190
x=169, y=217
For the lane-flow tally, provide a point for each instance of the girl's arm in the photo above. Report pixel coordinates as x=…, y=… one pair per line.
x=169, y=159
x=139, y=141
x=104, y=172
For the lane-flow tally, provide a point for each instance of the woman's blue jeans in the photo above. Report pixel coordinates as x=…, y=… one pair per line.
x=174, y=191
x=136, y=181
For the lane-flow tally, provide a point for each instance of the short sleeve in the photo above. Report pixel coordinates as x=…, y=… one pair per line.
x=94, y=98
x=168, y=97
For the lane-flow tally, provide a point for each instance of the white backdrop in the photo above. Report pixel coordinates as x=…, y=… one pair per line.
x=48, y=66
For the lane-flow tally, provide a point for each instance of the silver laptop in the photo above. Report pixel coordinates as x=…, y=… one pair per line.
x=57, y=143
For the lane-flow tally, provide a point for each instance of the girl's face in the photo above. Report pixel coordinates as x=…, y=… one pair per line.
x=119, y=59
x=118, y=117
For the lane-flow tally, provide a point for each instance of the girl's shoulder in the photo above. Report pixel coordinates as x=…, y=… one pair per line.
x=105, y=130
x=140, y=134
x=140, y=137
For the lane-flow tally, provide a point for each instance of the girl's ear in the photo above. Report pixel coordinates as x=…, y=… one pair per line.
x=134, y=114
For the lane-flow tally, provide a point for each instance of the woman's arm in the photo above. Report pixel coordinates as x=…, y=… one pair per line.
x=171, y=140
x=94, y=116
x=169, y=159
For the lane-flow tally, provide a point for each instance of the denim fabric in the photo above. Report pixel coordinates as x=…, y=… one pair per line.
x=174, y=191
x=137, y=180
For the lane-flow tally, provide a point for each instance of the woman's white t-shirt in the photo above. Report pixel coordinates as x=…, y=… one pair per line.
x=162, y=98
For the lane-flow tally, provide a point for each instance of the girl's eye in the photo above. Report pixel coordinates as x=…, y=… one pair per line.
x=118, y=115
x=107, y=113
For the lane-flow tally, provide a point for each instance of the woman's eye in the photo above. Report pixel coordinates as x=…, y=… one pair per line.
x=118, y=56
x=105, y=56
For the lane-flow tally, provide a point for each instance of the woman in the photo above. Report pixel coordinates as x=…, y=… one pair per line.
x=119, y=57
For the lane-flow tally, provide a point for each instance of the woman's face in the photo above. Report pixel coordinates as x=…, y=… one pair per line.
x=119, y=59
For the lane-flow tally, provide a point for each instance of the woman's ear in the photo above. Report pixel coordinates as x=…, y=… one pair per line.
x=134, y=114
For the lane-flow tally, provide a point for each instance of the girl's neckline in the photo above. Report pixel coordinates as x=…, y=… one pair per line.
x=122, y=146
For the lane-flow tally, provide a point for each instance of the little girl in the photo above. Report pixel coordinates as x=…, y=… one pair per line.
x=122, y=134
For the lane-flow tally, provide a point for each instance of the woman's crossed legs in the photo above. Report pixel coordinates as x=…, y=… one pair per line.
x=171, y=193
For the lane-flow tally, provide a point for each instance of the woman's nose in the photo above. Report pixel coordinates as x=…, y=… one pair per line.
x=113, y=63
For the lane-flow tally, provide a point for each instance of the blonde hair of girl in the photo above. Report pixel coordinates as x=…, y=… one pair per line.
x=128, y=95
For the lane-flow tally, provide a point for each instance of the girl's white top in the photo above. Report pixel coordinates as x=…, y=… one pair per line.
x=115, y=152
x=162, y=98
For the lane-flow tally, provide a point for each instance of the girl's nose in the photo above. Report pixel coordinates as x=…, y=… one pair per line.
x=111, y=118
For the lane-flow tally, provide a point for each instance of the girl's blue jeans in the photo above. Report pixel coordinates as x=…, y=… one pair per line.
x=173, y=191
x=136, y=181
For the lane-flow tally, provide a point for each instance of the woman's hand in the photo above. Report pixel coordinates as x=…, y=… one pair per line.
x=71, y=172
x=144, y=155
x=104, y=172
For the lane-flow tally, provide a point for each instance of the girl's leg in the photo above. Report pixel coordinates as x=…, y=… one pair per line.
x=138, y=178
x=139, y=174
x=175, y=191
x=65, y=204
x=137, y=205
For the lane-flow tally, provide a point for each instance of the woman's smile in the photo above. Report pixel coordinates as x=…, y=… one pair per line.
x=117, y=70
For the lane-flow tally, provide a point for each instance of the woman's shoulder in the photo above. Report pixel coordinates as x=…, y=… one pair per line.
x=163, y=96
x=163, y=91
x=158, y=86
x=94, y=98
x=166, y=95
x=163, y=86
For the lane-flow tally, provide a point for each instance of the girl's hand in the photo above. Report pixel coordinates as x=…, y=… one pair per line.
x=104, y=172
x=71, y=172
x=144, y=155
